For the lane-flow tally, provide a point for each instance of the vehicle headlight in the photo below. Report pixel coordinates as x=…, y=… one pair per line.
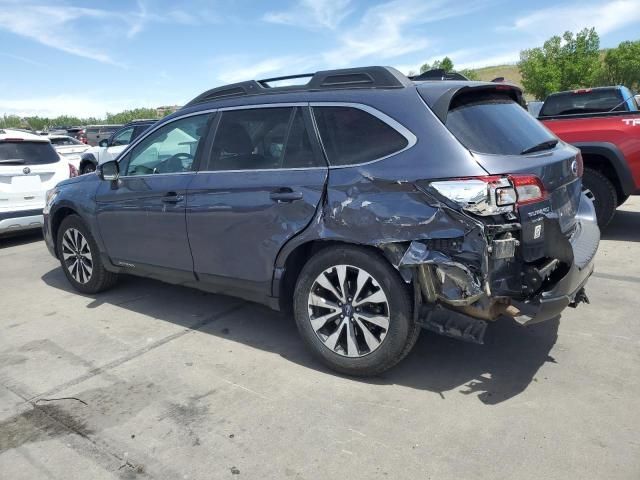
x=50, y=197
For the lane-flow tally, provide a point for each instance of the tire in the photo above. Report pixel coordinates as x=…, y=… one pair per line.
x=72, y=249
x=366, y=358
x=605, y=198
x=88, y=168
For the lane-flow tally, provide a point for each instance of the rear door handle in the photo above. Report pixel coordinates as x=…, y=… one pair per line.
x=285, y=195
x=172, y=197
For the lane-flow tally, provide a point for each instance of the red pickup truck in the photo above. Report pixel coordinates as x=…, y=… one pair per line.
x=604, y=123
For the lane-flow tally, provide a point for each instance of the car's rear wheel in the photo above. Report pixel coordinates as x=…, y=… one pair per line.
x=80, y=258
x=88, y=168
x=603, y=194
x=354, y=311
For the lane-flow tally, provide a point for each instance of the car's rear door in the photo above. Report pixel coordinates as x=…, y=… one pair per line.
x=261, y=186
x=142, y=215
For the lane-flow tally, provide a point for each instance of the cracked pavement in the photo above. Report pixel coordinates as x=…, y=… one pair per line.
x=156, y=381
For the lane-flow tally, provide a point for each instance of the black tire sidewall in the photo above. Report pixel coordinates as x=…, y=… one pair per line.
x=604, y=193
x=402, y=329
x=98, y=273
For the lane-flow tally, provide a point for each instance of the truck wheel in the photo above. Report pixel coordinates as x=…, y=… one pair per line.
x=80, y=258
x=354, y=311
x=605, y=198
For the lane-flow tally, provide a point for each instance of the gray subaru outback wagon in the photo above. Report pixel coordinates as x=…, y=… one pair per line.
x=369, y=204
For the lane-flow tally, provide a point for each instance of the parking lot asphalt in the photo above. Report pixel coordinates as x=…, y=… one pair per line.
x=155, y=381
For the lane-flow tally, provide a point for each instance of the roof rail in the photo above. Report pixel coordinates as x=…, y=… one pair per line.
x=438, y=74
x=364, y=77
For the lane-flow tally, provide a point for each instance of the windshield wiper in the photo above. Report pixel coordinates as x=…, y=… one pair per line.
x=546, y=145
x=17, y=161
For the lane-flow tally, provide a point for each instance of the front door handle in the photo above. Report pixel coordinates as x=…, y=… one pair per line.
x=285, y=195
x=172, y=197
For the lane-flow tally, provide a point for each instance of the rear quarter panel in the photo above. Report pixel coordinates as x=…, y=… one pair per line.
x=621, y=130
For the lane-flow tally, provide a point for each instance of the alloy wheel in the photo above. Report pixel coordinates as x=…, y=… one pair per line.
x=589, y=194
x=76, y=255
x=348, y=311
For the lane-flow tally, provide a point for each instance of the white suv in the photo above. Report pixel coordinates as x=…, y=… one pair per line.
x=29, y=166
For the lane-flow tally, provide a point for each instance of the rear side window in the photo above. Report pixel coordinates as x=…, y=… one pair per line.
x=351, y=136
x=262, y=139
x=27, y=153
x=583, y=101
x=65, y=141
x=494, y=123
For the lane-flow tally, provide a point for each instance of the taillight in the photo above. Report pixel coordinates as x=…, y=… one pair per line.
x=492, y=195
x=73, y=171
x=580, y=164
x=529, y=189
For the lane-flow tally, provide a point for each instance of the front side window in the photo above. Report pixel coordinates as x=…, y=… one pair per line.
x=123, y=137
x=351, y=136
x=262, y=139
x=170, y=149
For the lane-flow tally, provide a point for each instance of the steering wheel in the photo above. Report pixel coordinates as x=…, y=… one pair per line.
x=166, y=165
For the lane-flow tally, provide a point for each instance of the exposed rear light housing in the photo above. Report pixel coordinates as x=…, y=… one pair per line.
x=580, y=164
x=493, y=194
x=73, y=171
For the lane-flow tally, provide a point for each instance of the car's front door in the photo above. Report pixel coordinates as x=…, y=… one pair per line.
x=141, y=216
x=261, y=186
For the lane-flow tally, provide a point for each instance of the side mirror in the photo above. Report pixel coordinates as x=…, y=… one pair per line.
x=109, y=171
x=104, y=142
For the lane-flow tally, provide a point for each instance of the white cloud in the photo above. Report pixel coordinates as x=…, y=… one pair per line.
x=71, y=29
x=388, y=30
x=70, y=104
x=52, y=26
x=240, y=68
x=606, y=17
x=22, y=59
x=312, y=14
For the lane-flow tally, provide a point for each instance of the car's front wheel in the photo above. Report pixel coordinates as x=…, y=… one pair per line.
x=354, y=311
x=80, y=259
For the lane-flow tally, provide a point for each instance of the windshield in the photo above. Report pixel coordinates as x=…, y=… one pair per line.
x=27, y=153
x=494, y=123
x=583, y=101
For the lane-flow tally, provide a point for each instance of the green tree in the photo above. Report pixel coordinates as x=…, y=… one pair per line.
x=469, y=73
x=11, y=121
x=562, y=63
x=446, y=64
x=128, y=115
x=622, y=65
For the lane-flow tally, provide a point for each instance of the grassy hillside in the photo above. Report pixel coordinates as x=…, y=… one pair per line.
x=509, y=72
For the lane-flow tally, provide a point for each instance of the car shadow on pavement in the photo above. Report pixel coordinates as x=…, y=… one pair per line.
x=21, y=238
x=498, y=370
x=625, y=226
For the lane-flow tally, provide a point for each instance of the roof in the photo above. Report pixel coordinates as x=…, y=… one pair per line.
x=142, y=120
x=374, y=77
x=8, y=133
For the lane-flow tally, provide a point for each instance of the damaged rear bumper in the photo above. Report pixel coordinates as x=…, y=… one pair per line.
x=494, y=284
x=569, y=290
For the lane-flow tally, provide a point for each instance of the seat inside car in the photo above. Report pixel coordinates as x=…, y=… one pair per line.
x=234, y=150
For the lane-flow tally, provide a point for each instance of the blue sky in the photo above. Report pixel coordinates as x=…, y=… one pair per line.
x=86, y=58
